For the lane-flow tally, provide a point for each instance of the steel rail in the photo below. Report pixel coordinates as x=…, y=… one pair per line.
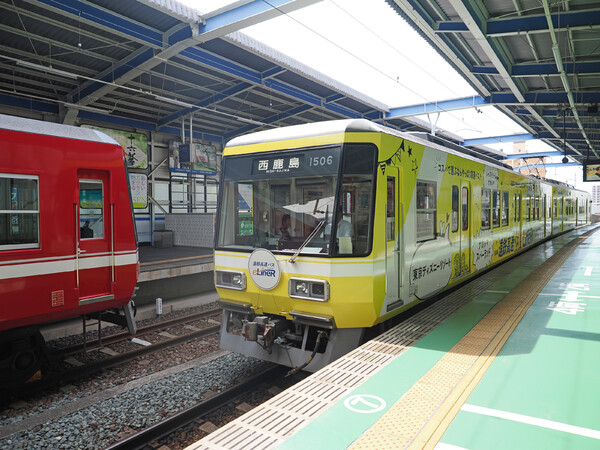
x=107, y=340
x=112, y=361
x=183, y=418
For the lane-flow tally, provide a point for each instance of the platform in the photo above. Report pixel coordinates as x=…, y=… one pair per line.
x=153, y=259
x=509, y=360
x=173, y=272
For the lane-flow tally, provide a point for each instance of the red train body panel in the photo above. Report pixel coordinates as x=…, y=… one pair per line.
x=67, y=239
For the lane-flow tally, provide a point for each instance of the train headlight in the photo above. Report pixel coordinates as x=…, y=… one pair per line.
x=230, y=279
x=301, y=287
x=238, y=279
x=309, y=289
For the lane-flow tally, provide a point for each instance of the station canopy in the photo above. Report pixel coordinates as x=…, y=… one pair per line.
x=150, y=64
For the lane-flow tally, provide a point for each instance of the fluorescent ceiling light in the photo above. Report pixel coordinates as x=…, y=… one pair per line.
x=48, y=69
x=189, y=105
x=174, y=101
x=86, y=108
x=253, y=122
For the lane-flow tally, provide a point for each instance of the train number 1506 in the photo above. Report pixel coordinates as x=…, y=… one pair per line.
x=314, y=161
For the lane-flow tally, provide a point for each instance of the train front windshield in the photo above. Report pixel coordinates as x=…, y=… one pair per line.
x=320, y=200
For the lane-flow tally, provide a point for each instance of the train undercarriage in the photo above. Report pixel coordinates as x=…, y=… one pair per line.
x=307, y=342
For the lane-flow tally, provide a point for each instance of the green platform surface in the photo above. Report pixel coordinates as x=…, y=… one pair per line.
x=548, y=369
x=543, y=389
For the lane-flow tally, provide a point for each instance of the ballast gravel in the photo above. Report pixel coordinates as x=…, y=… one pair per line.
x=108, y=420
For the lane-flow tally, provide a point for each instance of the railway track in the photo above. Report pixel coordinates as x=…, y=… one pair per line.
x=67, y=374
x=142, y=331
x=176, y=422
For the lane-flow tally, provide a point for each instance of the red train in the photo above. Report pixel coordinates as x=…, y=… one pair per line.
x=68, y=244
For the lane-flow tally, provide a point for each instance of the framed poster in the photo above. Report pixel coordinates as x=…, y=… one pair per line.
x=135, y=146
x=591, y=172
x=138, y=183
x=192, y=158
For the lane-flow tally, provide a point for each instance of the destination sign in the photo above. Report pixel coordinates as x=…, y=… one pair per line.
x=283, y=165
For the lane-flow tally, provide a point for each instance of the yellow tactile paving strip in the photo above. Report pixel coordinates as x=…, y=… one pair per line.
x=419, y=419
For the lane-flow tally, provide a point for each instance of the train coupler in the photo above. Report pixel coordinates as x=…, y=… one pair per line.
x=264, y=331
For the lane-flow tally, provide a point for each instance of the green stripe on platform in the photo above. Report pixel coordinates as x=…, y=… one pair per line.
x=338, y=427
x=543, y=389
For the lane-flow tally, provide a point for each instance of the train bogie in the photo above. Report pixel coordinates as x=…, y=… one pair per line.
x=326, y=230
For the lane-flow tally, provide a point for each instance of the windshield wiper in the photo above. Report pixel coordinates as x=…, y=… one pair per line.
x=306, y=241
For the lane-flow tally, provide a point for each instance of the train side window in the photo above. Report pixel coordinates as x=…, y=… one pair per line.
x=91, y=209
x=426, y=210
x=537, y=208
x=19, y=212
x=391, y=209
x=454, y=209
x=485, y=209
x=465, y=208
x=528, y=209
x=495, y=208
x=517, y=207
x=504, y=208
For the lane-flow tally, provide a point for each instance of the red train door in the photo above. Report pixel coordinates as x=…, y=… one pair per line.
x=94, y=237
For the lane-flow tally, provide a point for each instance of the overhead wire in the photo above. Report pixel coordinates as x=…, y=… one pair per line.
x=361, y=60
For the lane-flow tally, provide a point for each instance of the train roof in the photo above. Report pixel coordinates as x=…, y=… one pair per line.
x=307, y=130
x=362, y=126
x=350, y=126
x=53, y=129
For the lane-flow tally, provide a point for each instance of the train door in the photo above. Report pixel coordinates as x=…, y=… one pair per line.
x=562, y=214
x=518, y=218
x=576, y=212
x=465, y=227
x=554, y=215
x=587, y=209
x=392, y=244
x=460, y=229
x=94, y=237
x=545, y=212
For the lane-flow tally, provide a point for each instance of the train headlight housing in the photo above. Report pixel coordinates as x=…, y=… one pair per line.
x=309, y=289
x=230, y=279
x=301, y=288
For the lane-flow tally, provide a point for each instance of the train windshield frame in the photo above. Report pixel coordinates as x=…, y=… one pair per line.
x=290, y=199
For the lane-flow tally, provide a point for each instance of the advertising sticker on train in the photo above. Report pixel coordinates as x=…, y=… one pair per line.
x=264, y=269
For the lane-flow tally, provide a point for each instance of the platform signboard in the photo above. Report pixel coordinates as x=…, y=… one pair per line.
x=591, y=171
x=192, y=158
x=135, y=146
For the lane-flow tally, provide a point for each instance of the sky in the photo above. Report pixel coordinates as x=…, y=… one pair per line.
x=374, y=51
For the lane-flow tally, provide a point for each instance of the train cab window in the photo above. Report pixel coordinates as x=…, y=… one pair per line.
x=495, y=208
x=426, y=210
x=19, y=212
x=485, y=209
x=454, y=209
x=465, y=208
x=358, y=165
x=91, y=209
x=504, y=208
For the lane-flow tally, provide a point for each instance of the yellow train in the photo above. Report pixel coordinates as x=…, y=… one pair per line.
x=327, y=229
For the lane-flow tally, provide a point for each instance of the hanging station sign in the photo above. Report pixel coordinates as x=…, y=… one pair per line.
x=591, y=171
x=192, y=158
